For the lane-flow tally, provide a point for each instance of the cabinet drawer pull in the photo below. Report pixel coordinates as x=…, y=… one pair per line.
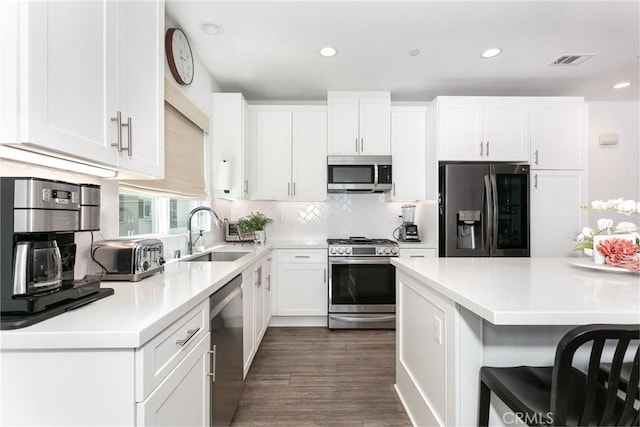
x=536, y=154
x=535, y=181
x=129, y=138
x=302, y=256
x=356, y=145
x=487, y=148
x=481, y=149
x=416, y=256
x=362, y=145
x=190, y=334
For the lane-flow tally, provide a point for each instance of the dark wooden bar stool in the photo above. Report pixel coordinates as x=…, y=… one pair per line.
x=564, y=395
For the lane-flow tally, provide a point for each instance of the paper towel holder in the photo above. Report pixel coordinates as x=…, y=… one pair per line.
x=608, y=138
x=223, y=176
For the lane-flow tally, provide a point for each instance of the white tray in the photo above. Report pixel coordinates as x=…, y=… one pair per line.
x=588, y=263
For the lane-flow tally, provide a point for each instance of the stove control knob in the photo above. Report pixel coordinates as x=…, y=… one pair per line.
x=387, y=250
x=394, y=251
x=347, y=251
x=332, y=250
x=380, y=251
x=340, y=251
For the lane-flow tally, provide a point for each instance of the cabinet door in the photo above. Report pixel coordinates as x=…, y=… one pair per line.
x=408, y=144
x=268, y=294
x=229, y=119
x=559, y=135
x=506, y=131
x=271, y=167
x=343, y=124
x=302, y=290
x=460, y=131
x=375, y=126
x=67, y=61
x=556, y=217
x=418, y=253
x=248, y=342
x=309, y=166
x=141, y=87
x=183, y=398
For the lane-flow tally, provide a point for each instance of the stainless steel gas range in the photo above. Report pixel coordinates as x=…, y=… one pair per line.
x=362, y=283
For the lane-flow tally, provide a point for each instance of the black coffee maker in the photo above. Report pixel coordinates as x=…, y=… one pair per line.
x=38, y=219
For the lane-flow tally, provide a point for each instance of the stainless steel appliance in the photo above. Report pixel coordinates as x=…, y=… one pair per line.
x=127, y=259
x=358, y=174
x=38, y=218
x=89, y=207
x=362, y=283
x=226, y=351
x=484, y=209
x=232, y=234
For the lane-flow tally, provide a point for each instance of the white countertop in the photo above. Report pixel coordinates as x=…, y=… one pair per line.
x=137, y=311
x=530, y=291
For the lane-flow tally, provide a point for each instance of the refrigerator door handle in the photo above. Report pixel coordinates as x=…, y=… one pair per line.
x=489, y=218
x=494, y=207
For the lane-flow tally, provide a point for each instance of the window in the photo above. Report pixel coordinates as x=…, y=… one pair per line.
x=149, y=214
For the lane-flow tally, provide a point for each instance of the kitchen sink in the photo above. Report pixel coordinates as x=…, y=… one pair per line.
x=220, y=256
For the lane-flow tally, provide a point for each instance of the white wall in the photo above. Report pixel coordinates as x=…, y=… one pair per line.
x=614, y=170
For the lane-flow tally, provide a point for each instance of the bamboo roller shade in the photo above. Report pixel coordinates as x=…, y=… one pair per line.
x=184, y=128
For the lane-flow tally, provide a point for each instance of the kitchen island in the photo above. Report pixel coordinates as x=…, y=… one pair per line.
x=455, y=315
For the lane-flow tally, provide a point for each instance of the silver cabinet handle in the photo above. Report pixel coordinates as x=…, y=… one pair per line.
x=269, y=282
x=535, y=181
x=356, y=145
x=288, y=189
x=394, y=188
x=416, y=256
x=246, y=186
x=363, y=319
x=361, y=145
x=294, y=189
x=481, y=149
x=118, y=120
x=190, y=334
x=212, y=374
x=324, y=276
x=487, y=148
x=302, y=256
x=536, y=154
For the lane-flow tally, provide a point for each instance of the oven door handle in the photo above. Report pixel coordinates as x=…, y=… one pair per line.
x=360, y=260
x=363, y=319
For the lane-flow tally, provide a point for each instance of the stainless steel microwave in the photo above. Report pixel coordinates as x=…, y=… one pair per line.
x=358, y=174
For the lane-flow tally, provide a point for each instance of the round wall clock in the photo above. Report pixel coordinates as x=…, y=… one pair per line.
x=179, y=55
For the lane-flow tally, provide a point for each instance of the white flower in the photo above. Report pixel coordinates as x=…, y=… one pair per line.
x=615, y=204
x=604, y=224
x=587, y=232
x=598, y=205
x=629, y=206
x=626, y=227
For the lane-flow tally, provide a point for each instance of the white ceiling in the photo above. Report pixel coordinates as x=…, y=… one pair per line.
x=269, y=50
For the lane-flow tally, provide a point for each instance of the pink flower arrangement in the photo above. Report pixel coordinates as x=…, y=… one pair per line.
x=621, y=253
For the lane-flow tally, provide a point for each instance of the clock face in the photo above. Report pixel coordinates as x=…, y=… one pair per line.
x=179, y=56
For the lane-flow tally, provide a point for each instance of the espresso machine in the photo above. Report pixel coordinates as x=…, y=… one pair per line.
x=38, y=219
x=409, y=230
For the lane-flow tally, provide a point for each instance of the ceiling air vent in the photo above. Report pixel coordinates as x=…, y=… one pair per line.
x=571, y=59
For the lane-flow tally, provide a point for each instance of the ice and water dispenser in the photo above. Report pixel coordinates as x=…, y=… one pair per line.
x=469, y=230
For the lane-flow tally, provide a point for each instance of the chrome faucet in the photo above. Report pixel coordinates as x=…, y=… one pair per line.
x=215, y=216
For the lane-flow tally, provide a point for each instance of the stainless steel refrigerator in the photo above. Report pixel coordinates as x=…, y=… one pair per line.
x=484, y=210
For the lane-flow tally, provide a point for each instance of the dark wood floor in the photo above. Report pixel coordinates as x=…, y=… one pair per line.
x=314, y=376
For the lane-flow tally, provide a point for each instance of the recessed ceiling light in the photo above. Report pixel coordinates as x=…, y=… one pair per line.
x=490, y=53
x=212, y=28
x=414, y=52
x=328, y=51
x=621, y=85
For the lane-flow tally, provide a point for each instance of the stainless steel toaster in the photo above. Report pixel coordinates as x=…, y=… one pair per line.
x=127, y=259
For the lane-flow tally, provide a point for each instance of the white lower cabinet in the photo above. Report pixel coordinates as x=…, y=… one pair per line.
x=183, y=398
x=556, y=216
x=248, y=342
x=302, y=288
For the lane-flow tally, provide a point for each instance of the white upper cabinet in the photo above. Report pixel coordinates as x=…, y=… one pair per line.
x=482, y=129
x=79, y=64
x=288, y=147
x=229, y=130
x=408, y=145
x=559, y=133
x=359, y=123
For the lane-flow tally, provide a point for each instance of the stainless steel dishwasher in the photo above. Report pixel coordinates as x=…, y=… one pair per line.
x=226, y=351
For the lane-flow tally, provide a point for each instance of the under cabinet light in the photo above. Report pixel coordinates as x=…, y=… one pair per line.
x=621, y=85
x=490, y=53
x=24, y=156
